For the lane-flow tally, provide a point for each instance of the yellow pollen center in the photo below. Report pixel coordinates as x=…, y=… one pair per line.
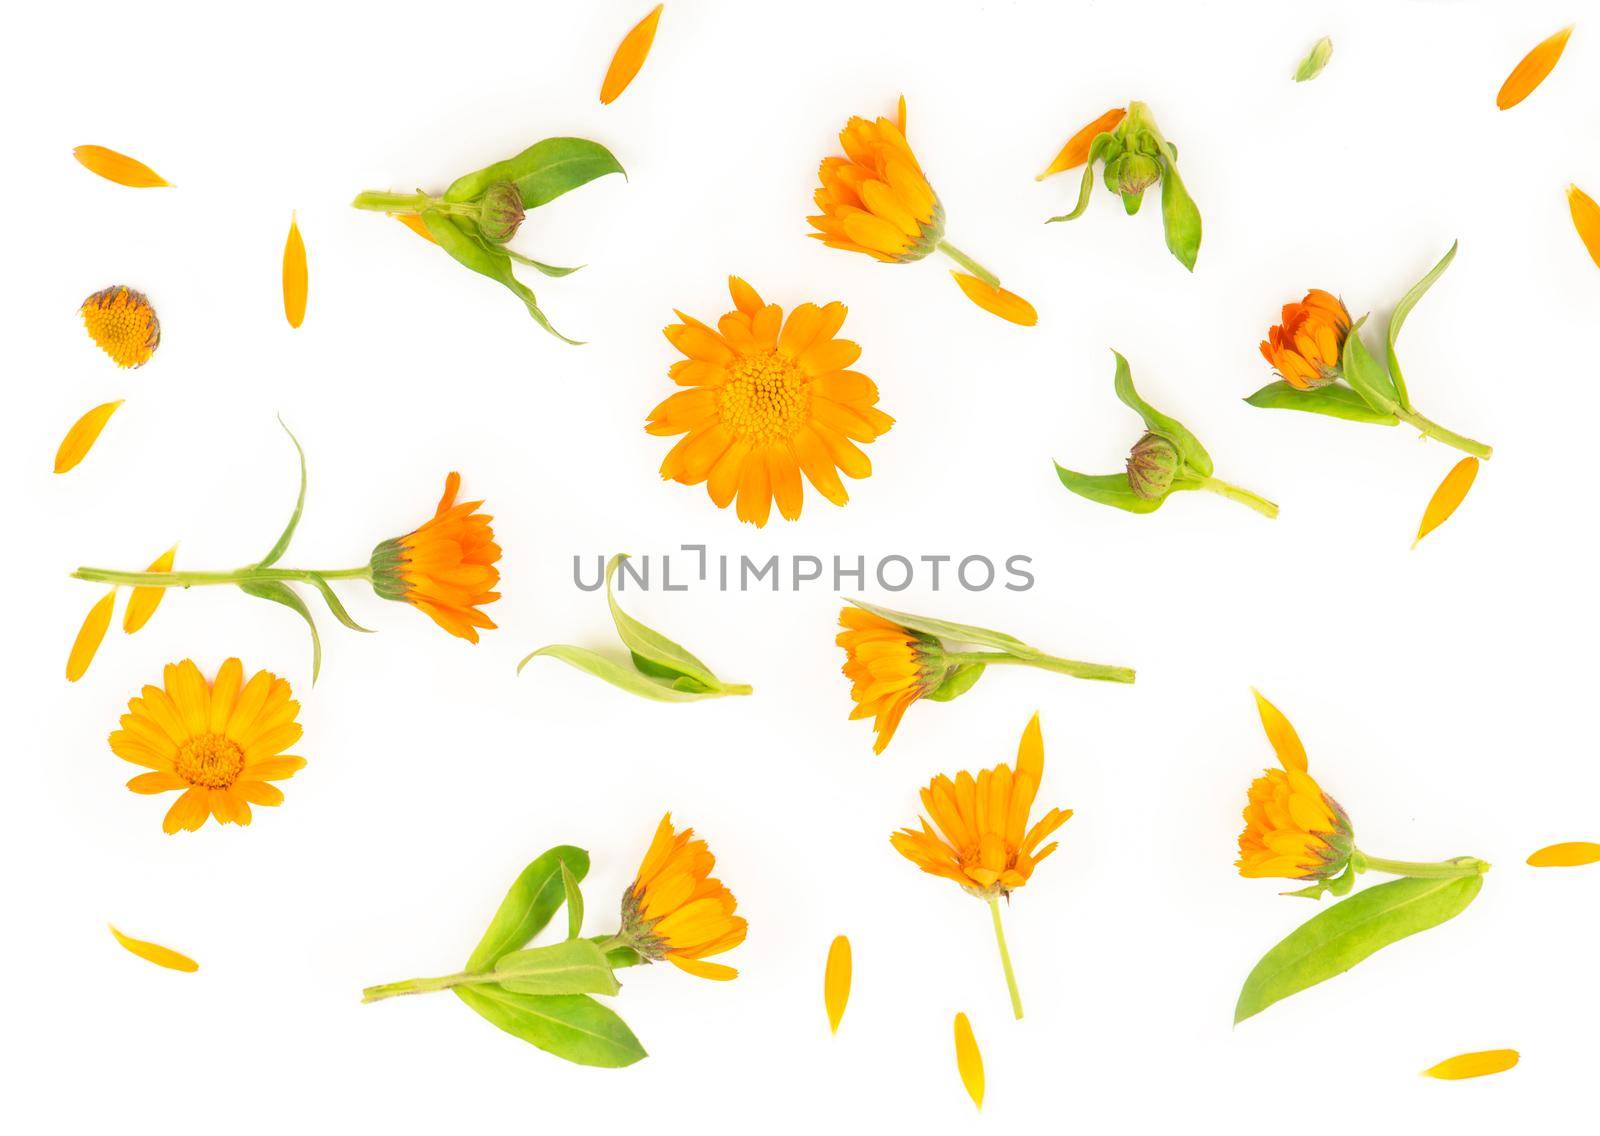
x=766, y=397
x=209, y=761
x=123, y=324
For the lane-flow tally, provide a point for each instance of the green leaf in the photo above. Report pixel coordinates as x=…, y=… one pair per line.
x=1108, y=489
x=569, y=884
x=1402, y=310
x=1100, y=148
x=945, y=630
x=529, y=905
x=1334, y=940
x=542, y=172
x=1333, y=400
x=571, y=1026
x=1368, y=376
x=577, y=966
x=1189, y=448
x=485, y=260
x=547, y=269
x=1131, y=202
x=956, y=683
x=1311, y=66
x=282, y=546
x=620, y=676
x=280, y=593
x=650, y=645
x=332, y=600
x=1180, y=217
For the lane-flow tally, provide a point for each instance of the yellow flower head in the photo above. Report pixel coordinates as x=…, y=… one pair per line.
x=1292, y=829
x=889, y=668
x=123, y=324
x=767, y=399
x=875, y=199
x=445, y=567
x=220, y=742
x=984, y=842
x=676, y=910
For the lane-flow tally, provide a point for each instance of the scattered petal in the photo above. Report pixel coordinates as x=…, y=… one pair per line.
x=81, y=438
x=89, y=636
x=413, y=221
x=997, y=301
x=294, y=275
x=1533, y=70
x=1076, y=151
x=1572, y=854
x=1451, y=492
x=836, y=981
x=123, y=324
x=630, y=56
x=152, y=952
x=143, y=602
x=1311, y=66
x=1285, y=742
x=1586, y=219
x=969, y=1062
x=118, y=167
x=1473, y=1065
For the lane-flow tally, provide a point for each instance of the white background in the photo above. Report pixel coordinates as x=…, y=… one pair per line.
x=1444, y=694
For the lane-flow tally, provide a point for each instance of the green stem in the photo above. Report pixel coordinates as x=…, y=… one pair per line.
x=392, y=202
x=969, y=264
x=1422, y=870
x=1437, y=432
x=737, y=688
x=194, y=579
x=1005, y=958
x=1234, y=493
x=1101, y=672
x=426, y=985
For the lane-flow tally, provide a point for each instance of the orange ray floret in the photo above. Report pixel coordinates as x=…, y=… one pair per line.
x=1448, y=497
x=1305, y=348
x=630, y=56
x=142, y=603
x=155, y=953
x=1586, y=219
x=90, y=636
x=446, y=567
x=1479, y=1064
x=118, y=167
x=295, y=279
x=1534, y=68
x=836, y=981
x=82, y=436
x=969, y=1060
x=677, y=911
x=1076, y=151
x=1571, y=854
x=123, y=324
x=997, y=301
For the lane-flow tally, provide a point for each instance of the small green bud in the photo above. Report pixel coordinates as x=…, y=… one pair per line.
x=1152, y=466
x=500, y=212
x=1132, y=172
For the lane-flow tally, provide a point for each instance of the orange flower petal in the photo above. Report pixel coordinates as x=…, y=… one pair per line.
x=143, y=602
x=997, y=301
x=836, y=981
x=1451, y=492
x=151, y=952
x=1573, y=854
x=81, y=438
x=89, y=636
x=118, y=167
x=1076, y=151
x=413, y=222
x=630, y=56
x=1285, y=742
x=1533, y=70
x=1586, y=219
x=969, y=1061
x=1479, y=1064
x=295, y=281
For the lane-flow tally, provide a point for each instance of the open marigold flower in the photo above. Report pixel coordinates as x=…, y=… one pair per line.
x=889, y=668
x=1305, y=348
x=445, y=568
x=676, y=910
x=768, y=399
x=123, y=324
x=220, y=742
x=1292, y=829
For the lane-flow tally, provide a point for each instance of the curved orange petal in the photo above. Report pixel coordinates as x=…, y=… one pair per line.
x=118, y=167
x=81, y=437
x=997, y=301
x=1076, y=151
x=152, y=952
x=1533, y=70
x=1451, y=492
x=630, y=56
x=1586, y=219
x=1572, y=854
x=294, y=275
x=89, y=636
x=143, y=602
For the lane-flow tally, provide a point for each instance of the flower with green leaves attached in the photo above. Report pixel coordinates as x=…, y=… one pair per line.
x=661, y=670
x=475, y=217
x=1134, y=157
x=1325, y=368
x=1167, y=459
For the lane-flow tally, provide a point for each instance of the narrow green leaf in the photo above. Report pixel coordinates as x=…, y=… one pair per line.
x=1098, y=149
x=1108, y=489
x=569, y=884
x=533, y=899
x=650, y=645
x=957, y=683
x=542, y=172
x=577, y=966
x=1334, y=940
x=547, y=269
x=493, y=262
x=946, y=630
x=280, y=593
x=1333, y=400
x=277, y=551
x=571, y=1026
x=1180, y=217
x=620, y=676
x=333, y=602
x=1402, y=310
x=1368, y=376
x=1189, y=448
x=1311, y=66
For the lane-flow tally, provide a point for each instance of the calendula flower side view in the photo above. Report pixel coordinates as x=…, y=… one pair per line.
x=676, y=910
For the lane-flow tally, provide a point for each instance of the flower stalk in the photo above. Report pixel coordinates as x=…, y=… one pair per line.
x=1420, y=870
x=1005, y=957
x=201, y=579
x=1101, y=672
x=969, y=264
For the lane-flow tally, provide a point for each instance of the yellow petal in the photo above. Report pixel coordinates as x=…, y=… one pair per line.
x=294, y=275
x=1006, y=305
x=1285, y=742
x=1586, y=219
x=836, y=981
x=81, y=438
x=143, y=602
x=630, y=56
x=1573, y=854
x=413, y=221
x=89, y=636
x=161, y=956
x=118, y=167
x=1532, y=71
x=1479, y=1064
x=1451, y=492
x=1076, y=151
x=969, y=1062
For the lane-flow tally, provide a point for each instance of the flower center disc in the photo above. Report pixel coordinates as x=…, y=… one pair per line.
x=766, y=397
x=209, y=761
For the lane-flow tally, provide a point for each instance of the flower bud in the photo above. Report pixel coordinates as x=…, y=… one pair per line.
x=500, y=212
x=1152, y=465
x=1132, y=172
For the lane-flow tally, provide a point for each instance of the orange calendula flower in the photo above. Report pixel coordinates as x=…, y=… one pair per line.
x=118, y=167
x=123, y=324
x=1586, y=219
x=1305, y=348
x=295, y=278
x=889, y=668
x=446, y=567
x=221, y=742
x=676, y=910
x=83, y=435
x=155, y=953
x=90, y=636
x=767, y=399
x=630, y=56
x=1533, y=70
x=1293, y=829
x=1076, y=151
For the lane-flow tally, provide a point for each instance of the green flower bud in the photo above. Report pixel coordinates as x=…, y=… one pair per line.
x=500, y=212
x=1132, y=172
x=1152, y=465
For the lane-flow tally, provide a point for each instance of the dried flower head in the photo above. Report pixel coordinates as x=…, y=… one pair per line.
x=123, y=324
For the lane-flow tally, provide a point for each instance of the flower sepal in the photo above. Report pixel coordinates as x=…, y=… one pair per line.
x=957, y=681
